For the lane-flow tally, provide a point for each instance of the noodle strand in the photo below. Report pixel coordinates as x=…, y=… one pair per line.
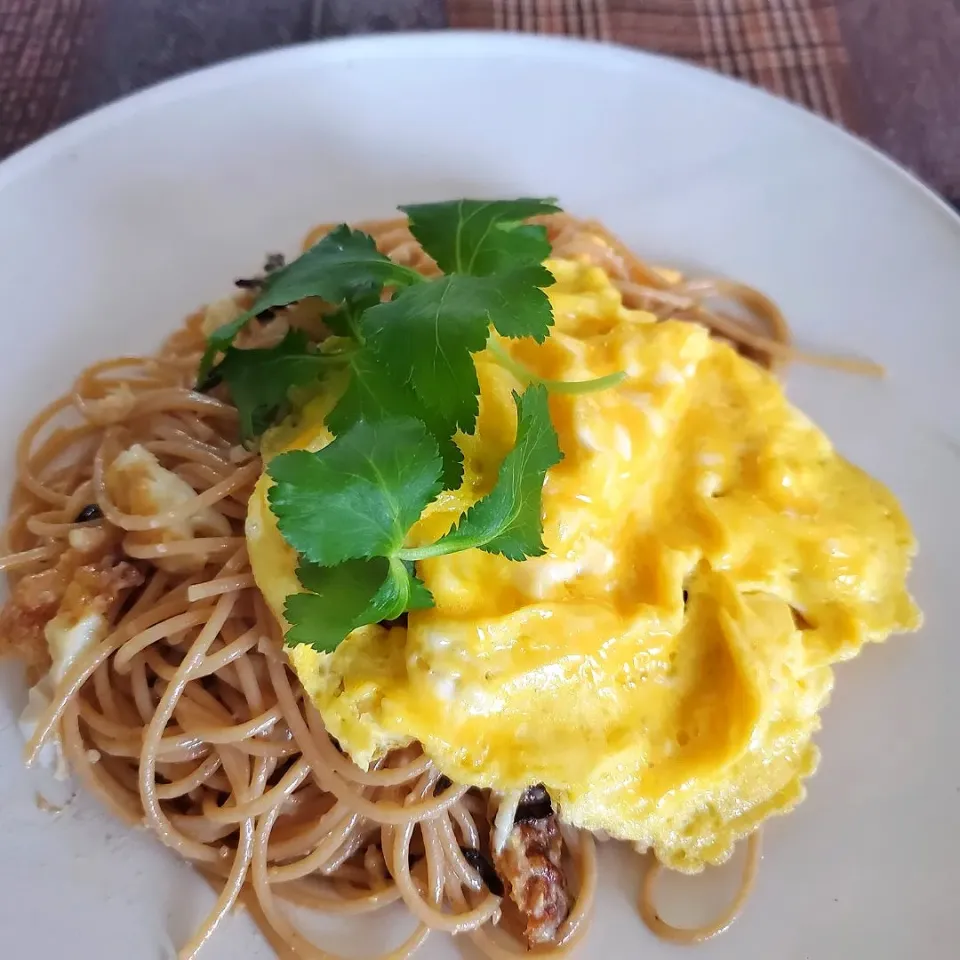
x=184, y=715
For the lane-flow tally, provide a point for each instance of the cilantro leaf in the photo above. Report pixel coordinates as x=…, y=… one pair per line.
x=427, y=333
x=409, y=385
x=481, y=237
x=339, y=601
x=521, y=308
x=350, y=595
x=345, y=265
x=374, y=394
x=371, y=394
x=351, y=591
x=507, y=521
x=359, y=495
x=344, y=320
x=260, y=380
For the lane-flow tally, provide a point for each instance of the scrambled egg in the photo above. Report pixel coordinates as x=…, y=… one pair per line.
x=661, y=668
x=139, y=485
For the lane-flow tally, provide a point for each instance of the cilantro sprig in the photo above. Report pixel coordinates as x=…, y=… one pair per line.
x=429, y=334
x=343, y=267
x=260, y=380
x=350, y=595
x=525, y=375
x=402, y=356
x=419, y=341
x=373, y=482
x=507, y=520
x=481, y=237
x=348, y=509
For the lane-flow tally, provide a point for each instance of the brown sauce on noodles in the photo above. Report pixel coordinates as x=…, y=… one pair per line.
x=184, y=715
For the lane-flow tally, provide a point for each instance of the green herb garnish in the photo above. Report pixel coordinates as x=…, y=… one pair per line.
x=429, y=333
x=348, y=508
x=260, y=380
x=481, y=237
x=350, y=595
x=507, y=520
x=526, y=376
x=358, y=496
x=372, y=396
x=403, y=359
x=344, y=266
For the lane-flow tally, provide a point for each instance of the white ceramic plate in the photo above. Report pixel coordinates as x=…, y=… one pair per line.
x=115, y=227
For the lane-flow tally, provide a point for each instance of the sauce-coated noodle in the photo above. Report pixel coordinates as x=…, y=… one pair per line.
x=691, y=935
x=183, y=715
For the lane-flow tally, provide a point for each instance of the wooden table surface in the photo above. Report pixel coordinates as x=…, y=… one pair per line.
x=60, y=58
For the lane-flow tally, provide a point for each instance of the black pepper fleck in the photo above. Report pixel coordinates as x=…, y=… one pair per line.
x=534, y=805
x=274, y=262
x=213, y=379
x=90, y=512
x=485, y=868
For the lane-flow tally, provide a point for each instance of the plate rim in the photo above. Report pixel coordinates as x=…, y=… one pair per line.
x=70, y=135
x=48, y=156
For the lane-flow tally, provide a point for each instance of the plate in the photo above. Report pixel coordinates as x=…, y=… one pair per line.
x=115, y=227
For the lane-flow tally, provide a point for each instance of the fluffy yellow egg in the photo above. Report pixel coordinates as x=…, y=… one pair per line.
x=660, y=669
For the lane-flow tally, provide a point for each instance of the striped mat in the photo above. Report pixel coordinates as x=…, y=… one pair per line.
x=791, y=47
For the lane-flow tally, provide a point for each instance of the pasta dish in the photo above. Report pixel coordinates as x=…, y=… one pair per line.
x=427, y=560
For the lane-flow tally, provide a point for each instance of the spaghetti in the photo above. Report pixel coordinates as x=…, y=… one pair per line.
x=183, y=714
